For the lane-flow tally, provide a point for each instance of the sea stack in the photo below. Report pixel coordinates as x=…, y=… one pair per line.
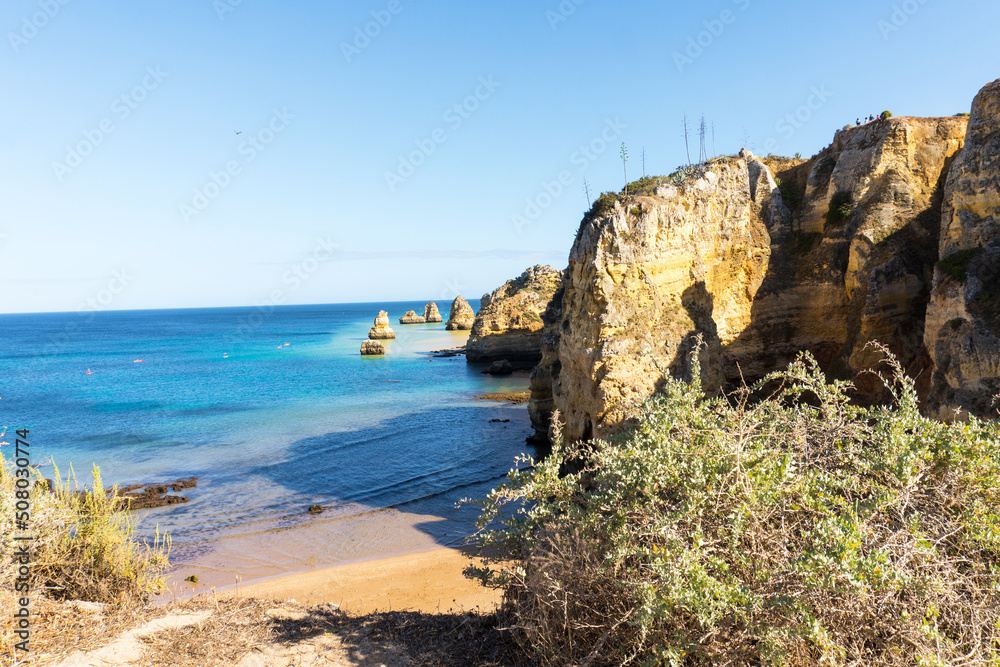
x=431, y=313
x=411, y=317
x=381, y=330
x=461, y=317
x=371, y=348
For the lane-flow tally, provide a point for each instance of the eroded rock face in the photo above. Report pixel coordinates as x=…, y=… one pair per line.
x=963, y=322
x=381, y=330
x=411, y=317
x=371, y=348
x=509, y=323
x=847, y=259
x=431, y=313
x=461, y=317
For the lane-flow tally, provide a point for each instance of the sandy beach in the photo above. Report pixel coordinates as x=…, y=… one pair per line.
x=431, y=581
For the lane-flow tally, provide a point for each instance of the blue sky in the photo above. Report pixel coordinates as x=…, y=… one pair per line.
x=356, y=177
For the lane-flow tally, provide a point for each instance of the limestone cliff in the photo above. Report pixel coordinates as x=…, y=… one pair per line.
x=509, y=323
x=431, y=313
x=963, y=322
x=461, y=316
x=381, y=330
x=842, y=253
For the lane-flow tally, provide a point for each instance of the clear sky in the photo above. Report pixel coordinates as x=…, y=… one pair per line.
x=123, y=183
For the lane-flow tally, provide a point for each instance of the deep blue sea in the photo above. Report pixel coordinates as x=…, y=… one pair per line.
x=273, y=410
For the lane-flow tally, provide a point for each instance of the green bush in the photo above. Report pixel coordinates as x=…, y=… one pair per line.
x=963, y=114
x=797, y=530
x=791, y=194
x=644, y=186
x=956, y=264
x=885, y=115
x=602, y=206
x=840, y=208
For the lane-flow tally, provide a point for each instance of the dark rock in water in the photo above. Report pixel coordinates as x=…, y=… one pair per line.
x=501, y=367
x=499, y=421
x=315, y=509
x=372, y=348
x=140, y=496
x=450, y=352
x=147, y=496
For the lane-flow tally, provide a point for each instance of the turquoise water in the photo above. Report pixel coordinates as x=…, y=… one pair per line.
x=273, y=411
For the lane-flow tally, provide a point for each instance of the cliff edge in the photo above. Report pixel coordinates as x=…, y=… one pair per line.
x=761, y=258
x=963, y=322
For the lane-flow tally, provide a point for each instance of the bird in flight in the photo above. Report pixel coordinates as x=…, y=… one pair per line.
x=238, y=133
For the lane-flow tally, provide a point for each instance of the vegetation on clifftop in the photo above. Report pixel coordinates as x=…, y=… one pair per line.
x=797, y=530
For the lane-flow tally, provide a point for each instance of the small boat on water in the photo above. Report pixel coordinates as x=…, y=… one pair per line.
x=225, y=355
x=137, y=361
x=89, y=372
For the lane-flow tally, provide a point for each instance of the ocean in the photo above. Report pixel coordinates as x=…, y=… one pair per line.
x=273, y=410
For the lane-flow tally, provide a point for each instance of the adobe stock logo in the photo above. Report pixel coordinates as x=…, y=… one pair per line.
x=31, y=25
x=122, y=108
x=455, y=117
x=901, y=15
x=702, y=41
x=218, y=181
x=363, y=35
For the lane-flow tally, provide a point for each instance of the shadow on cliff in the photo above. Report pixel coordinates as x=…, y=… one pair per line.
x=699, y=304
x=786, y=319
x=420, y=463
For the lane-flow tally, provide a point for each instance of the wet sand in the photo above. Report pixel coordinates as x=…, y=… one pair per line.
x=431, y=581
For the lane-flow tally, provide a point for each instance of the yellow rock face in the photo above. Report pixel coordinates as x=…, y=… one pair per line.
x=841, y=254
x=509, y=323
x=962, y=332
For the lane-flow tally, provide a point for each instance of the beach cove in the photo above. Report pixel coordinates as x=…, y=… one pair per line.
x=272, y=420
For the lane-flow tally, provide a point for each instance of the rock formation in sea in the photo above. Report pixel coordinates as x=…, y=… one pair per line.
x=381, y=330
x=431, y=313
x=962, y=332
x=764, y=258
x=509, y=323
x=371, y=348
x=411, y=317
x=461, y=317
x=500, y=367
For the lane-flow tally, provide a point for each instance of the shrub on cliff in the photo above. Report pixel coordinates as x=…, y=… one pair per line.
x=840, y=207
x=84, y=544
x=603, y=205
x=797, y=530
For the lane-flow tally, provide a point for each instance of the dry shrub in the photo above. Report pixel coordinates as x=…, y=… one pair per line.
x=84, y=545
x=797, y=530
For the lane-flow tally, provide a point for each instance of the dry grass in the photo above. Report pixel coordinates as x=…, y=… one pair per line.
x=83, y=548
x=235, y=627
x=61, y=628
